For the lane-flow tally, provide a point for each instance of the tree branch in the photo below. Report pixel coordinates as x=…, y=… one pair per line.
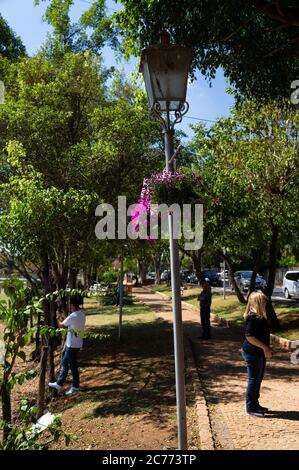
x=284, y=15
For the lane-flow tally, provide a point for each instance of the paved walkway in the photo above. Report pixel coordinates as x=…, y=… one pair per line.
x=223, y=379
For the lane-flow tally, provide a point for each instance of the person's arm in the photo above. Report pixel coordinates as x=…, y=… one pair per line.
x=60, y=323
x=60, y=317
x=256, y=342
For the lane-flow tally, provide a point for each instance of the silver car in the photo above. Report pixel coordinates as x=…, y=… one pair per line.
x=243, y=280
x=290, y=284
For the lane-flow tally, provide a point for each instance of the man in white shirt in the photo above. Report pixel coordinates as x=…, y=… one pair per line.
x=75, y=323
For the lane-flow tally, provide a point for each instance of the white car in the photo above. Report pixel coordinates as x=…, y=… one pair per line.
x=290, y=284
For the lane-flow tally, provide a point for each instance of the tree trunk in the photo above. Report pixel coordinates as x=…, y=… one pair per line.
x=44, y=351
x=36, y=353
x=273, y=252
x=73, y=278
x=196, y=259
x=231, y=271
x=6, y=410
x=42, y=380
x=52, y=347
x=142, y=272
x=157, y=263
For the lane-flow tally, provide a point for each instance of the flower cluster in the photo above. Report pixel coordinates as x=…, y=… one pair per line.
x=168, y=188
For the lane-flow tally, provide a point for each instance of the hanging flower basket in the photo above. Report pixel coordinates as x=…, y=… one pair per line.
x=169, y=188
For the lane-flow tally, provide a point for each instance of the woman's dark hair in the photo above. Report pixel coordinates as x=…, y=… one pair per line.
x=76, y=300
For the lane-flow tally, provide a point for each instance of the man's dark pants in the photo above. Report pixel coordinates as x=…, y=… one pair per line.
x=69, y=361
x=205, y=313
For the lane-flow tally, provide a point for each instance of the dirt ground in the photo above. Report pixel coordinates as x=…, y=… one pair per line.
x=127, y=398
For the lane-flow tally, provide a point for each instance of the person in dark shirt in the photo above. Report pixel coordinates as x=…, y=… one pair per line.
x=205, y=300
x=255, y=350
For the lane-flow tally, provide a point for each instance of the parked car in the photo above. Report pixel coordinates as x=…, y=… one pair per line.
x=192, y=278
x=243, y=279
x=223, y=276
x=213, y=277
x=185, y=274
x=151, y=275
x=290, y=285
x=165, y=276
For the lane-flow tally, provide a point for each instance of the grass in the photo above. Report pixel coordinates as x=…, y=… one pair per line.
x=231, y=309
x=129, y=394
x=161, y=288
x=107, y=316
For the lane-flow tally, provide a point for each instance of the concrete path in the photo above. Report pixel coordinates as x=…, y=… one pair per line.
x=223, y=379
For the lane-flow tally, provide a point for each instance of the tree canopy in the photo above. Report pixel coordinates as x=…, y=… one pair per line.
x=11, y=45
x=255, y=42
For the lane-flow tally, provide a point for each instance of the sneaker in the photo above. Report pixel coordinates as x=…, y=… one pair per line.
x=71, y=391
x=263, y=409
x=54, y=385
x=257, y=413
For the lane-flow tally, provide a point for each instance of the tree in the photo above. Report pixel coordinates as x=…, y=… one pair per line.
x=66, y=147
x=11, y=46
x=255, y=42
x=252, y=166
x=91, y=33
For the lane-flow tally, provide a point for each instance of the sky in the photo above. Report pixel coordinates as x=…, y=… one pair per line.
x=205, y=102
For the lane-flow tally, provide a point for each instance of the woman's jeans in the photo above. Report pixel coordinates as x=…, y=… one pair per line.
x=69, y=361
x=256, y=368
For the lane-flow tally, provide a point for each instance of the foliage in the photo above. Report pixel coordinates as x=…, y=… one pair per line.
x=288, y=261
x=180, y=187
x=24, y=433
x=109, y=297
x=109, y=277
x=91, y=32
x=11, y=46
x=250, y=161
x=255, y=42
x=15, y=314
x=65, y=148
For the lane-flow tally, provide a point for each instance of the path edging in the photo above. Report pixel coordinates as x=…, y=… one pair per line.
x=202, y=411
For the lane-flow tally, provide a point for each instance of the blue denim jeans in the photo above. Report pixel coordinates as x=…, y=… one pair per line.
x=256, y=368
x=69, y=361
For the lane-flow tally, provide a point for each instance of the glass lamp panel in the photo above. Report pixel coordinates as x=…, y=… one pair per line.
x=165, y=69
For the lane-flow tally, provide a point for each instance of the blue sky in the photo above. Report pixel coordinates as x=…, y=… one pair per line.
x=26, y=20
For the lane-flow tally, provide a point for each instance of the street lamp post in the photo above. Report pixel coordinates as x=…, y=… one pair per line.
x=121, y=293
x=224, y=267
x=165, y=69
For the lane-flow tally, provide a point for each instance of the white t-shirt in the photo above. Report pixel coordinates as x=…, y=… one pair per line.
x=75, y=321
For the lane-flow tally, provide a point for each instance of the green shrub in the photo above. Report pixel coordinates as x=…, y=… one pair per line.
x=109, y=277
x=109, y=297
x=24, y=435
